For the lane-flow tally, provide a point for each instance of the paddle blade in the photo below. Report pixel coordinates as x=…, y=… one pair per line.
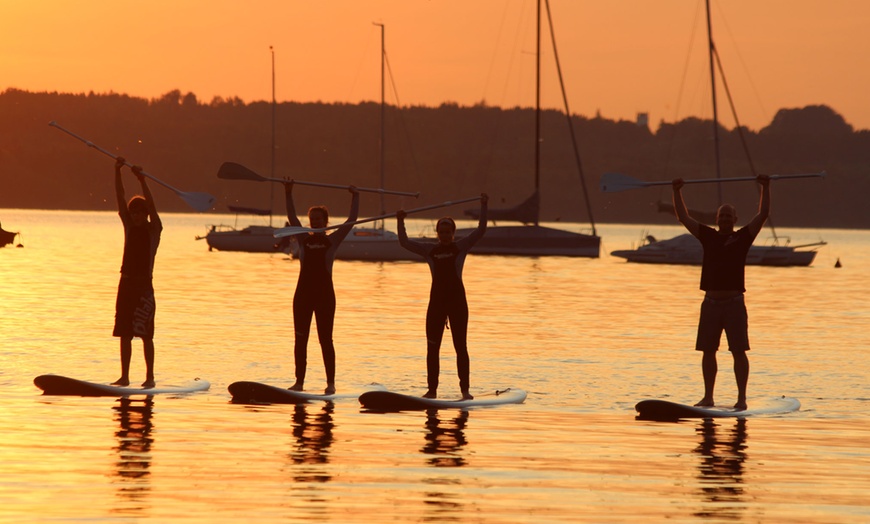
x=234, y=171
x=198, y=201
x=615, y=182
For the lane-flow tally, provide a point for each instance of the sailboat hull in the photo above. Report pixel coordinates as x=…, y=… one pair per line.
x=374, y=245
x=685, y=249
x=534, y=241
x=252, y=239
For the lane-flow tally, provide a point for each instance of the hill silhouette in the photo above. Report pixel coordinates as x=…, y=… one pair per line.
x=445, y=153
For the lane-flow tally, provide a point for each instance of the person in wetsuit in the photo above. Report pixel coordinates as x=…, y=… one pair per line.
x=447, y=302
x=722, y=280
x=135, y=305
x=315, y=295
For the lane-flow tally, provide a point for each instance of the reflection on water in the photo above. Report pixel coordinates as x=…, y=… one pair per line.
x=586, y=338
x=313, y=433
x=722, y=454
x=444, y=440
x=134, y=452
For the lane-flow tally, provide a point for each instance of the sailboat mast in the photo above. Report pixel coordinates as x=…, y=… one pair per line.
x=383, y=108
x=710, y=51
x=538, y=105
x=272, y=169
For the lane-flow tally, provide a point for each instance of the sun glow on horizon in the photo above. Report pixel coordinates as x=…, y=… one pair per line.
x=618, y=58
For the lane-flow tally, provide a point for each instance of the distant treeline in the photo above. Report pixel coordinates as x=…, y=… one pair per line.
x=445, y=153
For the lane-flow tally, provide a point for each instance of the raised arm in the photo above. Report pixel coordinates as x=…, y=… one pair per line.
x=760, y=218
x=404, y=241
x=146, y=192
x=352, y=215
x=477, y=234
x=683, y=216
x=119, y=190
x=291, y=209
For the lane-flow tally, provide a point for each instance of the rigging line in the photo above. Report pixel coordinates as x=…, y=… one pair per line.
x=365, y=53
x=742, y=62
x=492, y=60
x=568, y=115
x=681, y=91
x=738, y=127
x=740, y=132
x=402, y=121
x=497, y=126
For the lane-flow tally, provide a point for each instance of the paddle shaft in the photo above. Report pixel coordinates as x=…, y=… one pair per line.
x=613, y=182
x=109, y=154
x=735, y=179
x=233, y=171
x=296, y=230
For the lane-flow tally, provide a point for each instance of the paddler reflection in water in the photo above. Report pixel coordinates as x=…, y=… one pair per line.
x=722, y=279
x=447, y=301
x=135, y=305
x=315, y=295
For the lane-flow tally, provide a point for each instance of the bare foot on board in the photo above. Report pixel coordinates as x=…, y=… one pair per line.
x=466, y=395
x=430, y=394
x=148, y=384
x=740, y=405
x=330, y=389
x=123, y=382
x=296, y=387
x=705, y=403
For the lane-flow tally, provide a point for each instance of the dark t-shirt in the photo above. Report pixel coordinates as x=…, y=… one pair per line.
x=724, y=258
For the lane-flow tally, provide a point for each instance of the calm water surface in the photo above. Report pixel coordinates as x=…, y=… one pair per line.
x=586, y=338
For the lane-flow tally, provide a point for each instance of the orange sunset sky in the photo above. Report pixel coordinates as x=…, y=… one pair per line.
x=619, y=57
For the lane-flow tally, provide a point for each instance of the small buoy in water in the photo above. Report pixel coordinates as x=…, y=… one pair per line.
x=838, y=264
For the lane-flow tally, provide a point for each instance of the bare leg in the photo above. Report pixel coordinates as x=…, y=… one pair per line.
x=126, y=354
x=709, y=367
x=741, y=373
x=149, y=363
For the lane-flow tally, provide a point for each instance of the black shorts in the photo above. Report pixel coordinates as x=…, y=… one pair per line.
x=135, y=308
x=727, y=315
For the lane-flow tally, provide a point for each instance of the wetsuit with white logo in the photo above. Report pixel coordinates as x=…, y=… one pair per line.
x=315, y=295
x=447, y=302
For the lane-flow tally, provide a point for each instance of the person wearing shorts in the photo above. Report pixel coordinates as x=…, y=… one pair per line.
x=135, y=305
x=722, y=280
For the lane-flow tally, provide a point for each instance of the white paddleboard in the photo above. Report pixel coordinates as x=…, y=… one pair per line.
x=259, y=393
x=60, y=385
x=388, y=401
x=667, y=410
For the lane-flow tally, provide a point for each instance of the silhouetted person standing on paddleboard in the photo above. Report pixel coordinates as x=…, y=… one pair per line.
x=135, y=306
x=722, y=280
x=447, y=302
x=315, y=295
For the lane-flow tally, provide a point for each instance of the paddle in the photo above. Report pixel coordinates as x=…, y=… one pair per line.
x=234, y=171
x=198, y=201
x=614, y=182
x=296, y=230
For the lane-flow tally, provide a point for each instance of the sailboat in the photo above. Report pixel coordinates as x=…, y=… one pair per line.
x=531, y=238
x=376, y=244
x=253, y=238
x=685, y=248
